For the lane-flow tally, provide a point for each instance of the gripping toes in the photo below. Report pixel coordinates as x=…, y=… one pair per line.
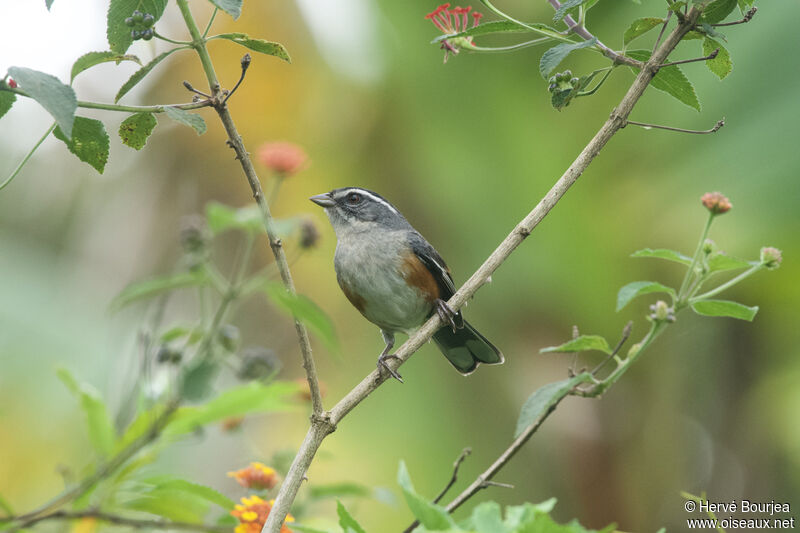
x=382, y=364
x=447, y=315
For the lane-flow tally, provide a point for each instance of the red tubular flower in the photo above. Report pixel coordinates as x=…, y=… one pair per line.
x=453, y=21
x=12, y=83
x=283, y=158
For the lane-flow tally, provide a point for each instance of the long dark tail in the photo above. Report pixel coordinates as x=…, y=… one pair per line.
x=466, y=348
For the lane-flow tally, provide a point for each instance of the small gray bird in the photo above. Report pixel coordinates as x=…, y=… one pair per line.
x=396, y=279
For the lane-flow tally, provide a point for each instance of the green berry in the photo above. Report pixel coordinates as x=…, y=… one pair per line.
x=136, y=34
x=129, y=22
x=137, y=17
x=148, y=20
x=147, y=34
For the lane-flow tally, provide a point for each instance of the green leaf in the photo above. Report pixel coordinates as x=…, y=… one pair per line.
x=670, y=80
x=202, y=491
x=176, y=505
x=5, y=506
x=663, y=253
x=561, y=12
x=433, y=517
x=222, y=217
x=7, y=99
x=306, y=529
x=553, y=57
x=720, y=65
x=253, y=397
x=91, y=59
x=500, y=26
x=135, y=129
x=639, y=27
x=544, y=399
x=638, y=288
x=195, y=381
x=187, y=118
x=153, y=287
x=118, y=33
x=719, y=262
x=257, y=45
x=140, y=425
x=58, y=99
x=583, y=343
x=89, y=142
x=487, y=518
x=231, y=7
x=101, y=430
x=141, y=73
x=724, y=308
x=303, y=309
x=346, y=520
x=718, y=10
x=48, y=3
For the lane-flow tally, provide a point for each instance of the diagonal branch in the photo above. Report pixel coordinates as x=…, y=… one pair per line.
x=326, y=423
x=133, y=523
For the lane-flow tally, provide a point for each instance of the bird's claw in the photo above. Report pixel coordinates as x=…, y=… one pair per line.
x=447, y=315
x=382, y=364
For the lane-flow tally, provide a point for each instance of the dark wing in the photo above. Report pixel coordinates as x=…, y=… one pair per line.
x=436, y=266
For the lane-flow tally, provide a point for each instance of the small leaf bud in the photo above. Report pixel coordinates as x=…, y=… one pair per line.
x=771, y=257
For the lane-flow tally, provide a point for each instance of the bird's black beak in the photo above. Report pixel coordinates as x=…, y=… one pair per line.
x=324, y=200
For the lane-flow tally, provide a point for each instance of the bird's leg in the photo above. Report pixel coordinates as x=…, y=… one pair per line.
x=448, y=316
x=388, y=338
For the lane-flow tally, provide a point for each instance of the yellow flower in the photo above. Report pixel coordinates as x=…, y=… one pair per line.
x=253, y=512
x=256, y=476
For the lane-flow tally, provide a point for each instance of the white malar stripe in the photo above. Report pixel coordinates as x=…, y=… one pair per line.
x=375, y=198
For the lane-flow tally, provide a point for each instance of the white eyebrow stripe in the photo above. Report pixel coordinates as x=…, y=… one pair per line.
x=375, y=198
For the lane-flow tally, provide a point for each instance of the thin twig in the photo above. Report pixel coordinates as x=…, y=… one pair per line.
x=710, y=56
x=245, y=65
x=135, y=523
x=453, y=478
x=626, y=332
x=326, y=423
x=192, y=89
x=123, y=108
x=747, y=18
x=715, y=129
x=663, y=28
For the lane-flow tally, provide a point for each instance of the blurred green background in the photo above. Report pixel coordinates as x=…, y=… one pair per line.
x=464, y=150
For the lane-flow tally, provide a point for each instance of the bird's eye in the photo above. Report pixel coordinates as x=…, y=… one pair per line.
x=353, y=198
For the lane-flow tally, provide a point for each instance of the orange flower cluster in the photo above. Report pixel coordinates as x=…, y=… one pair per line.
x=257, y=476
x=283, y=158
x=252, y=513
x=716, y=202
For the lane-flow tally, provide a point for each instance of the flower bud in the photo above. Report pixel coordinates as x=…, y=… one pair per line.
x=194, y=234
x=309, y=234
x=229, y=337
x=708, y=246
x=716, y=202
x=12, y=83
x=167, y=354
x=771, y=257
x=661, y=312
x=257, y=476
x=258, y=363
x=283, y=158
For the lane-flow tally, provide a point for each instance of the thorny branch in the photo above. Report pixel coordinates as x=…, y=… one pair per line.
x=326, y=423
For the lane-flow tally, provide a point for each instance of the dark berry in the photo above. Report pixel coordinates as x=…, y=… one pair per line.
x=136, y=34
x=137, y=17
x=129, y=22
x=147, y=34
x=148, y=20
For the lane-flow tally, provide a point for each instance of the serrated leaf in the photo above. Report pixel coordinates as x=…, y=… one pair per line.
x=581, y=344
x=346, y=520
x=141, y=73
x=638, y=288
x=303, y=309
x=670, y=80
x=182, y=485
x=118, y=33
x=500, y=26
x=7, y=100
x=719, y=262
x=663, y=253
x=554, y=56
x=718, y=10
x=253, y=397
x=147, y=289
x=100, y=429
x=431, y=516
x=564, y=8
x=89, y=142
x=91, y=59
x=135, y=129
x=57, y=98
x=724, y=308
x=639, y=27
x=544, y=398
x=257, y=45
x=720, y=65
x=231, y=7
x=193, y=120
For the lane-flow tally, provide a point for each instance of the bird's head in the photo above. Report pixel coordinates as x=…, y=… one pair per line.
x=357, y=209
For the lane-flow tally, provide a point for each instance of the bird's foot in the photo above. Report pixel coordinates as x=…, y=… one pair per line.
x=447, y=315
x=383, y=365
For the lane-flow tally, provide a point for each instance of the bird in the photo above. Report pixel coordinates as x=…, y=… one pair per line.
x=396, y=279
